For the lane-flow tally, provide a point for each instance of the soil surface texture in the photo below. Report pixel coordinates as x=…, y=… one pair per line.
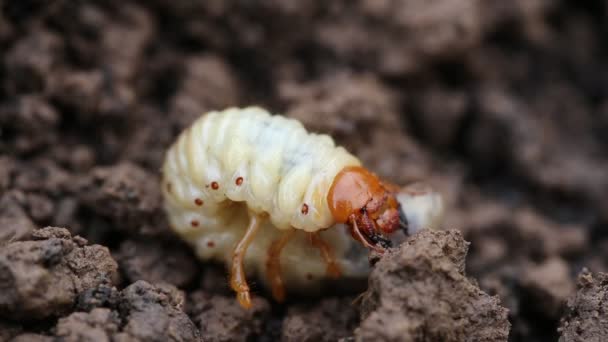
x=500, y=105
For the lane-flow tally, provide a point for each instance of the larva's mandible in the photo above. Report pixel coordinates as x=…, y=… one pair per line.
x=259, y=192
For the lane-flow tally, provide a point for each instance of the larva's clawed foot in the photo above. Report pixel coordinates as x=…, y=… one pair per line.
x=239, y=285
x=244, y=299
x=238, y=280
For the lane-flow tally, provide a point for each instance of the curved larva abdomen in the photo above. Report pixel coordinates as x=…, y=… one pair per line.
x=269, y=162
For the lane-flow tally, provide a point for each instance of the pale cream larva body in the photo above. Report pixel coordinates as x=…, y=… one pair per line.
x=239, y=161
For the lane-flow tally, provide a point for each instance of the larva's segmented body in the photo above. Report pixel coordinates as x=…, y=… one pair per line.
x=269, y=162
x=242, y=171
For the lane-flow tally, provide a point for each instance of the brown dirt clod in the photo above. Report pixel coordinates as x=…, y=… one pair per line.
x=155, y=313
x=98, y=325
x=156, y=262
x=585, y=319
x=549, y=285
x=221, y=319
x=15, y=224
x=42, y=277
x=143, y=312
x=127, y=195
x=330, y=320
x=420, y=292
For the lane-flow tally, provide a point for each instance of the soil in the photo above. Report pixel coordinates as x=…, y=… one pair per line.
x=502, y=106
x=585, y=319
x=420, y=293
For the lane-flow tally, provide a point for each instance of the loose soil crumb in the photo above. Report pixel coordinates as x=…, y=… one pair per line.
x=208, y=84
x=29, y=337
x=42, y=277
x=34, y=121
x=586, y=319
x=143, y=312
x=549, y=285
x=15, y=223
x=98, y=325
x=127, y=195
x=330, y=320
x=8, y=330
x=155, y=313
x=223, y=319
x=419, y=292
x=156, y=262
x=103, y=295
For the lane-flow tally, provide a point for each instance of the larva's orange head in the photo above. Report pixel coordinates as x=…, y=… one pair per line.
x=369, y=207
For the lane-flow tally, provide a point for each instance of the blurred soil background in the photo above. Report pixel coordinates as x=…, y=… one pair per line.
x=501, y=105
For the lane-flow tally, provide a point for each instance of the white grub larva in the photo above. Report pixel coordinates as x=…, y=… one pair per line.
x=260, y=193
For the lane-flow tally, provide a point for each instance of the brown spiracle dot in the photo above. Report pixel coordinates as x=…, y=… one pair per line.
x=215, y=185
x=239, y=181
x=210, y=244
x=198, y=201
x=194, y=223
x=304, y=209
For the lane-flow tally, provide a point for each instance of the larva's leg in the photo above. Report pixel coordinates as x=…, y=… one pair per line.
x=273, y=265
x=238, y=280
x=333, y=270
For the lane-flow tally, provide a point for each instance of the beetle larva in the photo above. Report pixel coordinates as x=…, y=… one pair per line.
x=260, y=193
